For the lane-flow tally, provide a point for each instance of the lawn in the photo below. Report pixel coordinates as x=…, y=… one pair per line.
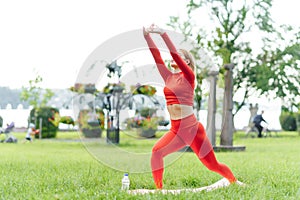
x=70, y=168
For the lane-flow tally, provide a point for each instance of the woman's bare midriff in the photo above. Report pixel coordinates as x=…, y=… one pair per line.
x=178, y=111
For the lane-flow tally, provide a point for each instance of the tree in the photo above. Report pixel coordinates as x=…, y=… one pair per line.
x=276, y=71
x=35, y=95
x=229, y=42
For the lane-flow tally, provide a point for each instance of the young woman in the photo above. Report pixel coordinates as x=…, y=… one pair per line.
x=179, y=94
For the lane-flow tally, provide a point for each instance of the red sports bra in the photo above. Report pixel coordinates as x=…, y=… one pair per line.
x=179, y=90
x=179, y=87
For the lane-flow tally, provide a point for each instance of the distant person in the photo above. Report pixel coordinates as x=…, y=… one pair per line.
x=31, y=131
x=8, y=129
x=9, y=138
x=257, y=123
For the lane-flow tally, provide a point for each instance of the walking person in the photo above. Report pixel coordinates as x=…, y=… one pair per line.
x=258, y=119
x=179, y=94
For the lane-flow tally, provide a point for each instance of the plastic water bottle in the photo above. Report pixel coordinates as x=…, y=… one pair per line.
x=125, y=182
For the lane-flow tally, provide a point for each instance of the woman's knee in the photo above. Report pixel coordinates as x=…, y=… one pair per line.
x=156, y=151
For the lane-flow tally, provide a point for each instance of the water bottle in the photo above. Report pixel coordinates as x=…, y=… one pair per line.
x=125, y=182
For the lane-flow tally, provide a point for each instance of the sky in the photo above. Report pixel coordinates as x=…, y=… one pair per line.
x=54, y=38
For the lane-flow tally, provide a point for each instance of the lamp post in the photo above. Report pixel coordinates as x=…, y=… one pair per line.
x=113, y=124
x=116, y=100
x=211, y=115
x=113, y=130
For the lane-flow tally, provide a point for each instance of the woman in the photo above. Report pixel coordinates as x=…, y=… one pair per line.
x=185, y=129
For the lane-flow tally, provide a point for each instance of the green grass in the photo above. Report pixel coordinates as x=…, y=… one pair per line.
x=64, y=168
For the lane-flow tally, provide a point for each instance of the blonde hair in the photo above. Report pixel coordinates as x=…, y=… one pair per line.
x=190, y=57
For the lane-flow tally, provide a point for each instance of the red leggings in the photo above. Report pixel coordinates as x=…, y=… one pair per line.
x=186, y=132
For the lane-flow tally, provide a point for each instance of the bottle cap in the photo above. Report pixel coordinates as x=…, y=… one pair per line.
x=126, y=174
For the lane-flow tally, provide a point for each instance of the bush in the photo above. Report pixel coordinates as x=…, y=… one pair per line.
x=1, y=121
x=288, y=121
x=48, y=115
x=143, y=89
x=91, y=126
x=298, y=121
x=67, y=120
x=147, y=112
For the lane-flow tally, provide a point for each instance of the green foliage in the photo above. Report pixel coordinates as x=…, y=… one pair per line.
x=55, y=119
x=47, y=115
x=143, y=89
x=86, y=118
x=147, y=112
x=67, y=120
x=288, y=121
x=1, y=121
x=145, y=120
x=38, y=98
x=274, y=69
x=35, y=95
x=298, y=121
x=113, y=87
x=277, y=71
x=90, y=123
x=84, y=88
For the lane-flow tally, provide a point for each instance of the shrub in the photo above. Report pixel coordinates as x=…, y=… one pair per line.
x=147, y=112
x=298, y=121
x=142, y=122
x=48, y=115
x=1, y=121
x=288, y=121
x=67, y=120
x=111, y=88
x=84, y=119
x=143, y=89
x=91, y=126
x=84, y=88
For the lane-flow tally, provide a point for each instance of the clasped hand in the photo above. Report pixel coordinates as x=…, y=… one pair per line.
x=153, y=29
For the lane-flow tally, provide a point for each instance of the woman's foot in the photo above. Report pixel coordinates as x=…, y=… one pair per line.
x=223, y=183
x=240, y=183
x=219, y=184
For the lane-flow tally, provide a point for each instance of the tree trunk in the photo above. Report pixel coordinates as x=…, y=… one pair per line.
x=211, y=114
x=227, y=121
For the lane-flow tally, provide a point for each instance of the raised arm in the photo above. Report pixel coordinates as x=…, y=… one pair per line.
x=187, y=71
x=161, y=66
